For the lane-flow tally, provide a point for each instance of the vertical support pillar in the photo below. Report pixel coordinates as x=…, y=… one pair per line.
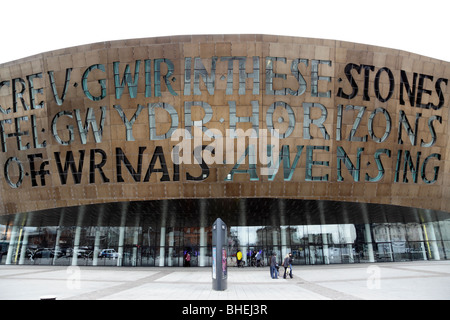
x=203, y=242
x=76, y=245
x=348, y=236
x=367, y=233
x=76, y=242
x=283, y=227
x=13, y=240
x=97, y=237
x=171, y=242
x=349, y=241
x=170, y=254
x=58, y=236
x=162, y=241
x=422, y=242
x=135, y=242
x=431, y=239
x=422, y=246
x=309, y=246
x=162, y=246
x=389, y=240
x=123, y=219
x=368, y=237
x=325, y=250
x=96, y=247
x=430, y=234
x=23, y=250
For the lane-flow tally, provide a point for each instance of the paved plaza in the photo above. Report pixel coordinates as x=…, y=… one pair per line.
x=387, y=281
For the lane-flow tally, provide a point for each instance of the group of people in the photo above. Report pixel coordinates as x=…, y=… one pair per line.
x=287, y=264
x=274, y=267
x=255, y=259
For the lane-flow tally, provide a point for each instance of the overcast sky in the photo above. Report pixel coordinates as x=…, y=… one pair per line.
x=34, y=26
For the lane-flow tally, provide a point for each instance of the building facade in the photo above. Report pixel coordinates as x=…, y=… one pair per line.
x=124, y=153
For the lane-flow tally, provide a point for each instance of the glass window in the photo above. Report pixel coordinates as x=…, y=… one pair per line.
x=142, y=241
x=383, y=252
x=417, y=250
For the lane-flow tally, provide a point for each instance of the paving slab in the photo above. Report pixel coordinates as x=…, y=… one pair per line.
x=427, y=280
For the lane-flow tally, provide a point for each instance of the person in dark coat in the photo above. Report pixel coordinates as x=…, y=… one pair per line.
x=273, y=266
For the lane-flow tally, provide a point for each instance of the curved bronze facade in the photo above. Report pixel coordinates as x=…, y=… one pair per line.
x=224, y=117
x=96, y=123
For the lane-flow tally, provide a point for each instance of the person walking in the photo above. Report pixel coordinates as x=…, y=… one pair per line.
x=258, y=259
x=187, y=259
x=273, y=266
x=239, y=258
x=287, y=266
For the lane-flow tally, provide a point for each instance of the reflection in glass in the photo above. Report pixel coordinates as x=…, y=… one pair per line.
x=151, y=238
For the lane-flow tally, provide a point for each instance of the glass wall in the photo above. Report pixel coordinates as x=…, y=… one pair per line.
x=134, y=235
x=345, y=243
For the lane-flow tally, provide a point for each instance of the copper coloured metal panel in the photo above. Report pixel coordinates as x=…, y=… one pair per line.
x=125, y=125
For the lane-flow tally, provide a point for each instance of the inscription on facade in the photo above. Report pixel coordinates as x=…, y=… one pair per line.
x=307, y=102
